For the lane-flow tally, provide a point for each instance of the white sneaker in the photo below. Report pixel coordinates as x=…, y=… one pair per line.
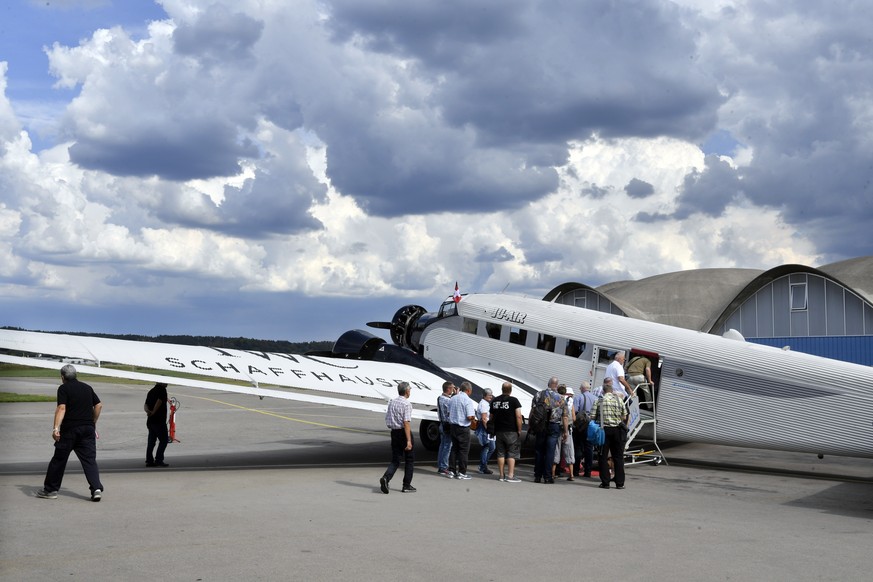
x=97, y=495
x=513, y=480
x=463, y=476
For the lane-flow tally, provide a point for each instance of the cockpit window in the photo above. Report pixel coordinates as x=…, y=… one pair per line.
x=448, y=308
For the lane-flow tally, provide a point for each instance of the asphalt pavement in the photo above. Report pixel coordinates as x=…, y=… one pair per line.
x=280, y=490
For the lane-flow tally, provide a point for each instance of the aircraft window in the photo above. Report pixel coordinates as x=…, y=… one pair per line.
x=604, y=355
x=471, y=325
x=798, y=297
x=517, y=336
x=448, y=308
x=546, y=342
x=575, y=348
x=493, y=330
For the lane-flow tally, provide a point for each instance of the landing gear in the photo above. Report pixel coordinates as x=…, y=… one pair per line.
x=429, y=433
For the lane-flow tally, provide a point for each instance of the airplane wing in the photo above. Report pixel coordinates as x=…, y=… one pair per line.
x=336, y=381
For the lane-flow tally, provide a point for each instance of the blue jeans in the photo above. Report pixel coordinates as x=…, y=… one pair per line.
x=445, y=449
x=488, y=446
x=544, y=454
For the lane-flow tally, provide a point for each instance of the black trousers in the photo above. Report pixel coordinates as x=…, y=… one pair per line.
x=83, y=441
x=398, y=454
x=615, y=440
x=584, y=453
x=157, y=433
x=460, y=448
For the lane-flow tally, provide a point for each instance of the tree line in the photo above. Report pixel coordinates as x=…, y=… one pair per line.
x=236, y=343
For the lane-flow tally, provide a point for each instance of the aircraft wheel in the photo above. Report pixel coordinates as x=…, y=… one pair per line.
x=429, y=432
x=658, y=461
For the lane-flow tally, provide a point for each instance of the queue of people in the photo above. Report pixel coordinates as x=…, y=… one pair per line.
x=561, y=440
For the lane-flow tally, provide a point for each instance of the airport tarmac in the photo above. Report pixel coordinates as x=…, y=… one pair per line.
x=279, y=490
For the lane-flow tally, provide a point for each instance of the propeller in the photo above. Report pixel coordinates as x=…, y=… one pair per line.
x=400, y=324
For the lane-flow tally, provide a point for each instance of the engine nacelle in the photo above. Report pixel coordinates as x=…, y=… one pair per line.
x=357, y=344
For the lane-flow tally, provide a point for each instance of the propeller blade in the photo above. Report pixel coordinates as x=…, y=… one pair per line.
x=379, y=324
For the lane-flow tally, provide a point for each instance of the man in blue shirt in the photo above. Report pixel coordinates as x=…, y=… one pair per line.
x=582, y=404
x=462, y=411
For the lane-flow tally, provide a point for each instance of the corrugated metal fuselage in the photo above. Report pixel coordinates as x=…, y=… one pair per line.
x=710, y=389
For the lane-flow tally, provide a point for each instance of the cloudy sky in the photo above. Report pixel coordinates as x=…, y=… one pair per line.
x=290, y=170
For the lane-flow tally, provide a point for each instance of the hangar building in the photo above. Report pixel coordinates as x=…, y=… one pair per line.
x=826, y=311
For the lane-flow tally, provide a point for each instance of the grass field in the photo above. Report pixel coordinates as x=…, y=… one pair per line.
x=6, y=397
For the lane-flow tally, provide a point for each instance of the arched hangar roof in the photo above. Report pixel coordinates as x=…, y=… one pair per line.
x=856, y=274
x=701, y=298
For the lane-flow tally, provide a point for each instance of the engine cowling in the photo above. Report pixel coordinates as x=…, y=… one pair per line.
x=402, y=325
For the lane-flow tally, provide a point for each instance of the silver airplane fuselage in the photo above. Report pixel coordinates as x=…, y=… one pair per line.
x=709, y=389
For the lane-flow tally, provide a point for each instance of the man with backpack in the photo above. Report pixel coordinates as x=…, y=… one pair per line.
x=549, y=421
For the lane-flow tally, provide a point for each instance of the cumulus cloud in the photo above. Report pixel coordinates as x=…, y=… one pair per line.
x=9, y=124
x=218, y=37
x=638, y=188
x=353, y=148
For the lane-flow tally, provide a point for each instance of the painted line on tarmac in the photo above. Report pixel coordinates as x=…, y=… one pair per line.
x=283, y=417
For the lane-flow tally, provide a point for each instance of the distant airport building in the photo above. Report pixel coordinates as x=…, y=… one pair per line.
x=826, y=311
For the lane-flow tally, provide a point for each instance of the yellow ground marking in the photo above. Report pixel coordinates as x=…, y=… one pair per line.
x=283, y=417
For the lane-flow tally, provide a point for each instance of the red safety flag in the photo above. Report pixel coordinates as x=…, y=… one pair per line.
x=457, y=295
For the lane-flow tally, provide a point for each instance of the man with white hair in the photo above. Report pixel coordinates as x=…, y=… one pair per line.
x=615, y=372
x=398, y=417
x=74, y=431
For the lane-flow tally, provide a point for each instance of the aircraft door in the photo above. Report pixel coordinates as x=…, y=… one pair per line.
x=600, y=358
x=646, y=401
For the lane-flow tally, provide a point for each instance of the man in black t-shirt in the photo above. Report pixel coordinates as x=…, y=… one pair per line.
x=156, y=410
x=74, y=431
x=506, y=412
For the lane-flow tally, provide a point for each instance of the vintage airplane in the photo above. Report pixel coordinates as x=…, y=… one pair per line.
x=707, y=389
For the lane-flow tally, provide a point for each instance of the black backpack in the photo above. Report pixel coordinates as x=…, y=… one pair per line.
x=539, y=416
x=580, y=425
